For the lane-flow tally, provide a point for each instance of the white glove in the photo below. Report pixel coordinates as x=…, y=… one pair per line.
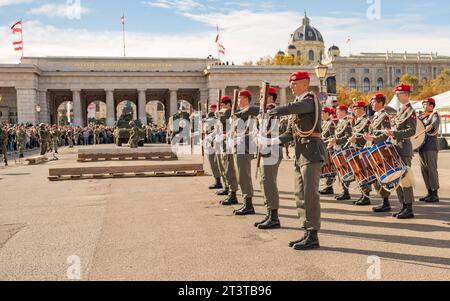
x=268, y=141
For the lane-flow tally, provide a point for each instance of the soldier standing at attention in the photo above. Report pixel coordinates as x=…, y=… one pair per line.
x=20, y=139
x=271, y=161
x=227, y=155
x=430, y=150
x=4, y=143
x=70, y=136
x=43, y=138
x=211, y=123
x=55, y=137
x=405, y=128
x=243, y=156
x=328, y=131
x=361, y=126
x=343, y=133
x=219, y=145
x=96, y=135
x=305, y=127
x=134, y=135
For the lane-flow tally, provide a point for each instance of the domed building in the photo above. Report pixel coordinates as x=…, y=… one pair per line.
x=307, y=42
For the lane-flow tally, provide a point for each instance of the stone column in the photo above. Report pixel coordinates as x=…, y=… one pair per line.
x=204, y=99
x=283, y=96
x=77, y=108
x=213, y=96
x=110, y=108
x=27, y=100
x=44, y=115
x=142, y=103
x=173, y=102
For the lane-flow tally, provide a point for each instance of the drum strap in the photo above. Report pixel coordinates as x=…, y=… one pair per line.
x=399, y=122
x=347, y=122
x=299, y=133
x=436, y=132
x=380, y=120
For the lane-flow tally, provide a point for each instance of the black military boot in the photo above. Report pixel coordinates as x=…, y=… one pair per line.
x=363, y=201
x=247, y=209
x=226, y=191
x=217, y=185
x=427, y=196
x=231, y=200
x=21, y=156
x=407, y=213
x=345, y=196
x=272, y=223
x=434, y=198
x=327, y=191
x=401, y=211
x=385, y=207
x=264, y=220
x=293, y=243
x=310, y=243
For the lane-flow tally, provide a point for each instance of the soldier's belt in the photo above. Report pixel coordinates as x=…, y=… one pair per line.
x=313, y=135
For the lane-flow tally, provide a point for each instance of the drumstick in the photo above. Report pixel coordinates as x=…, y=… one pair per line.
x=423, y=132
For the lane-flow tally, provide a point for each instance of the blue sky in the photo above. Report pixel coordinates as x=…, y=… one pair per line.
x=250, y=29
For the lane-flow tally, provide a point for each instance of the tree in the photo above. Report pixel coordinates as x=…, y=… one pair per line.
x=280, y=59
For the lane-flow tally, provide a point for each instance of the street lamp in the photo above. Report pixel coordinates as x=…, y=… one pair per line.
x=321, y=72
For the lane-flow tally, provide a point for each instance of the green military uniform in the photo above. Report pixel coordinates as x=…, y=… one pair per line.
x=429, y=157
x=284, y=122
x=380, y=122
x=134, y=136
x=43, y=140
x=342, y=135
x=76, y=136
x=305, y=127
x=55, y=137
x=210, y=131
x=70, y=135
x=20, y=140
x=4, y=145
x=96, y=136
x=228, y=160
x=328, y=132
x=405, y=128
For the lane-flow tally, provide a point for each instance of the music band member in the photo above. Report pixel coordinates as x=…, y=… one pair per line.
x=430, y=150
x=328, y=132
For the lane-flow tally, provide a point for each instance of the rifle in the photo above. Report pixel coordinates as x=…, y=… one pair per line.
x=261, y=124
x=234, y=108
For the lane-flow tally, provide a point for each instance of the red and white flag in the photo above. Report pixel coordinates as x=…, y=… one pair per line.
x=221, y=49
x=122, y=19
x=17, y=28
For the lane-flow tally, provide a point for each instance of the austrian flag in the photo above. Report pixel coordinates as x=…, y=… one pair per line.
x=221, y=49
x=17, y=28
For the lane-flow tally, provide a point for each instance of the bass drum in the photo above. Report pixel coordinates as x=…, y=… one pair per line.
x=418, y=140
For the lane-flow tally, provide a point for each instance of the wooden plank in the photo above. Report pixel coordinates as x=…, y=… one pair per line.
x=36, y=160
x=79, y=171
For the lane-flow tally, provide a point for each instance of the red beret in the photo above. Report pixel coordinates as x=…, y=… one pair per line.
x=213, y=106
x=298, y=76
x=359, y=104
x=378, y=96
x=327, y=110
x=225, y=99
x=272, y=90
x=430, y=101
x=403, y=88
x=245, y=93
x=342, y=108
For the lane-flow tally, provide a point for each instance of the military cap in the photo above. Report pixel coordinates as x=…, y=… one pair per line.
x=342, y=108
x=246, y=93
x=273, y=91
x=213, y=106
x=359, y=104
x=403, y=88
x=327, y=110
x=225, y=99
x=430, y=100
x=299, y=76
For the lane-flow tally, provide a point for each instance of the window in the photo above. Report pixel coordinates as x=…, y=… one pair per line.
x=352, y=83
x=380, y=84
x=353, y=70
x=299, y=53
x=398, y=71
x=397, y=81
x=311, y=55
x=366, y=71
x=366, y=85
x=380, y=71
x=310, y=34
x=411, y=70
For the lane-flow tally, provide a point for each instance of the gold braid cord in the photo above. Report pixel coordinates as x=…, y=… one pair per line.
x=299, y=134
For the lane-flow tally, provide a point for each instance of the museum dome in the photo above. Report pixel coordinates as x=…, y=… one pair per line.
x=306, y=33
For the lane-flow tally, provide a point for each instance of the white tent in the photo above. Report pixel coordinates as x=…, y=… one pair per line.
x=442, y=102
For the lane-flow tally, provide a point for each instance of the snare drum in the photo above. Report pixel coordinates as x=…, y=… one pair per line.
x=339, y=160
x=386, y=163
x=361, y=168
x=328, y=169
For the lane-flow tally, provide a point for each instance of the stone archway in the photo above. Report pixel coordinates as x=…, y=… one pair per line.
x=96, y=111
x=64, y=115
x=8, y=105
x=156, y=113
x=126, y=109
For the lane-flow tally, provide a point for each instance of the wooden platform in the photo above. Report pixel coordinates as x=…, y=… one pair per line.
x=79, y=173
x=36, y=160
x=149, y=154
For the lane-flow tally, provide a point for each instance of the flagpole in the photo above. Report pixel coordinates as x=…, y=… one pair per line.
x=123, y=29
x=217, y=44
x=21, y=36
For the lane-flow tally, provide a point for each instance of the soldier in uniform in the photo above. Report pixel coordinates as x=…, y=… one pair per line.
x=328, y=132
x=405, y=128
x=430, y=150
x=219, y=145
x=96, y=135
x=305, y=127
x=20, y=139
x=380, y=122
x=341, y=138
x=4, y=143
x=271, y=161
x=70, y=135
x=43, y=138
x=360, y=127
x=55, y=137
x=283, y=128
x=210, y=130
x=227, y=154
x=243, y=155
x=134, y=135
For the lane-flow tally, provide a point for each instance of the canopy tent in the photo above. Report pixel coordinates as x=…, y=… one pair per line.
x=442, y=102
